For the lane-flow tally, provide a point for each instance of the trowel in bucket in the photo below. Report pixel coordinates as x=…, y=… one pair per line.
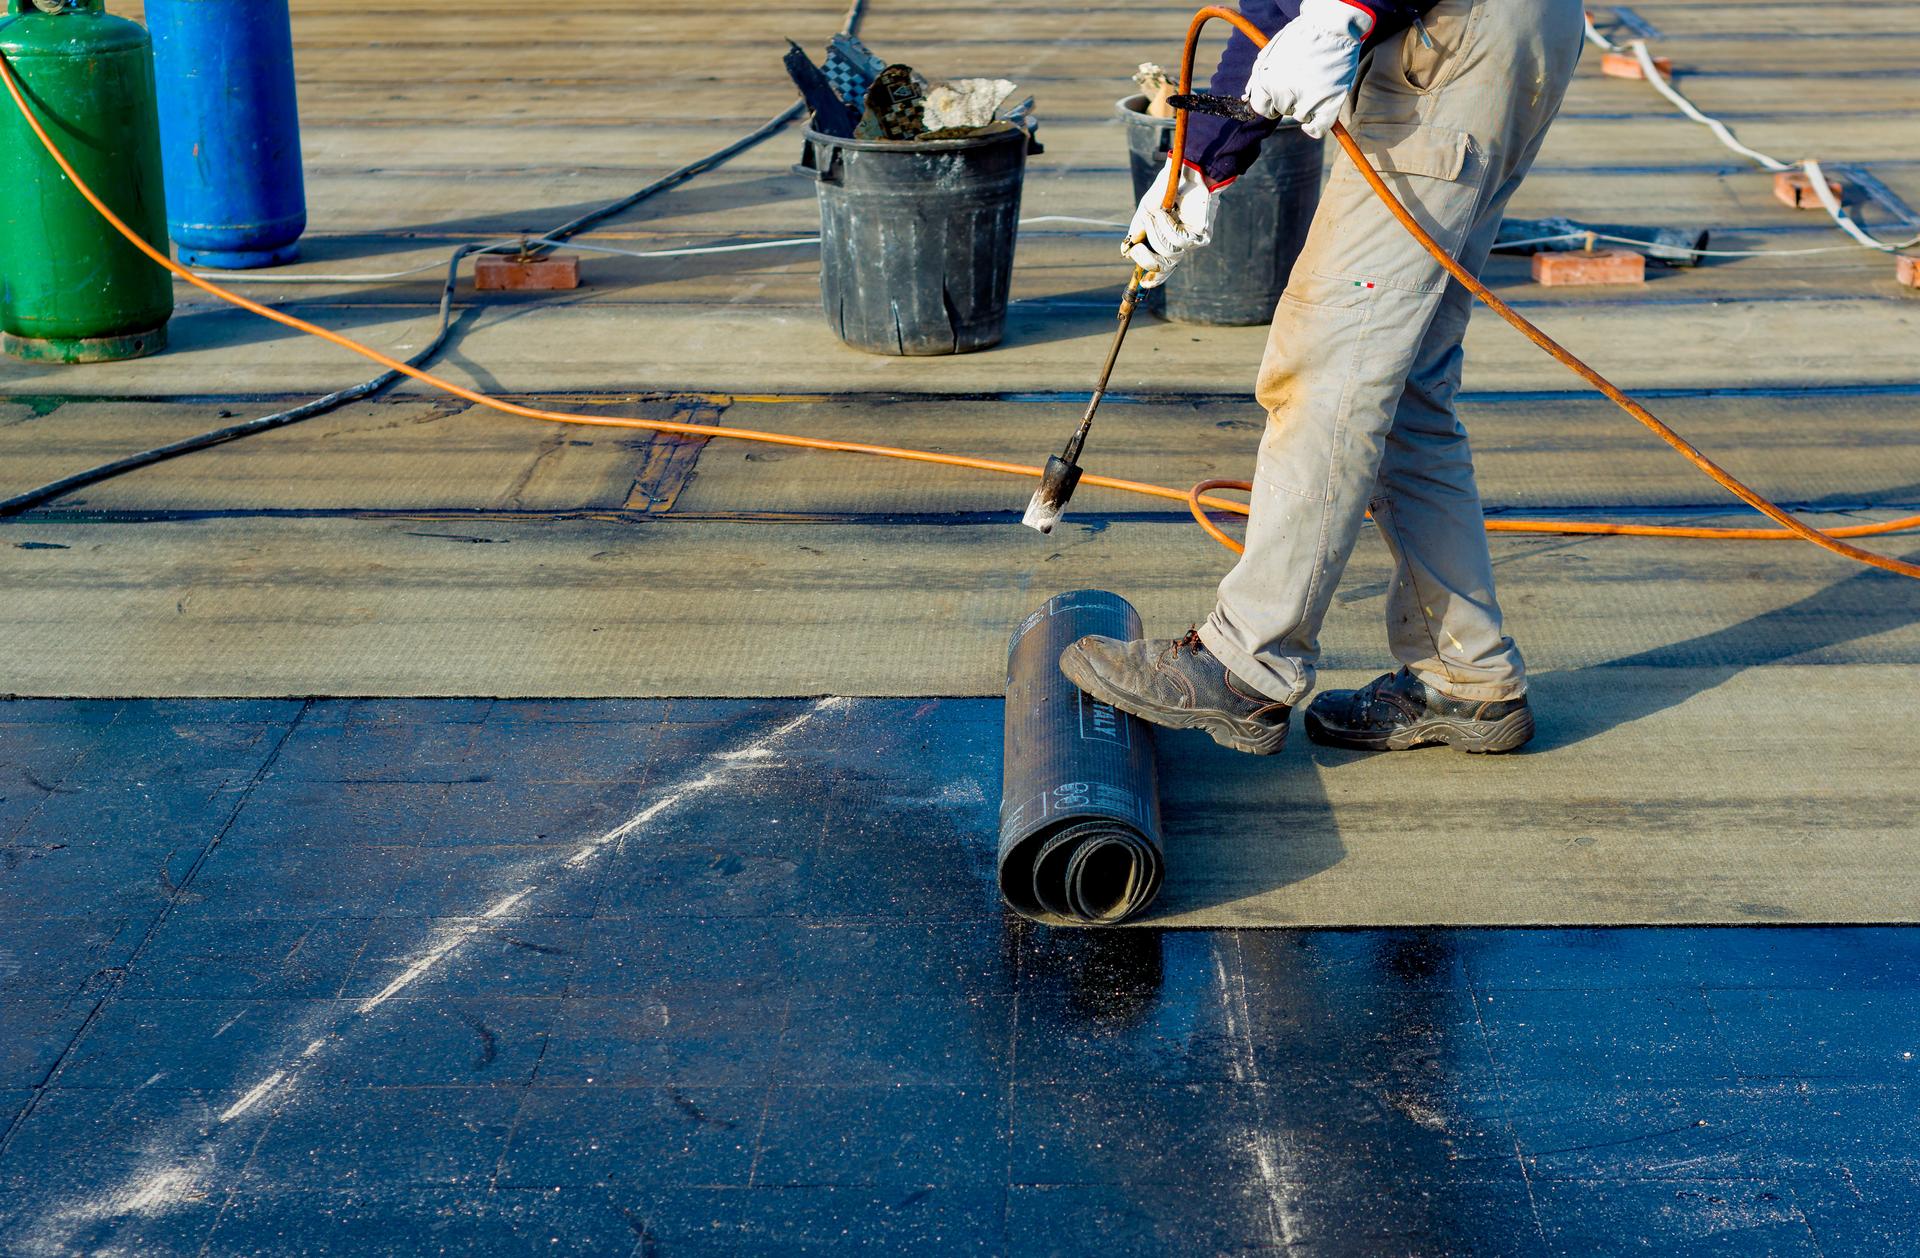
x=1062, y=472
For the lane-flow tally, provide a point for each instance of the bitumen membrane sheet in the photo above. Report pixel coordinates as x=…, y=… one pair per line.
x=643, y=899
x=724, y=977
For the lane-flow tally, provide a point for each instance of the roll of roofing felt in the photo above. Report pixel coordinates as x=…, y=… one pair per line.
x=1079, y=802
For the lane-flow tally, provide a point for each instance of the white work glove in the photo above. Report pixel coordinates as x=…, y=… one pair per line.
x=1306, y=70
x=1157, y=238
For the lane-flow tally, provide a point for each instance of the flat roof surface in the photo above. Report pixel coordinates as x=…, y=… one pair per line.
x=423, y=828
x=418, y=545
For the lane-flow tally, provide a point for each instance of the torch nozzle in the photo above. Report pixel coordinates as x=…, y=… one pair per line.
x=1057, y=484
x=1062, y=473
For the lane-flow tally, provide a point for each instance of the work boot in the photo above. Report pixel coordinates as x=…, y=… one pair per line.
x=1399, y=711
x=1178, y=683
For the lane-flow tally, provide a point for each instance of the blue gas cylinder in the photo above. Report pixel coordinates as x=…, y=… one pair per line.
x=229, y=130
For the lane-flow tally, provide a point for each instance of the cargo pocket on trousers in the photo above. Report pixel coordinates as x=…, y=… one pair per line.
x=1437, y=174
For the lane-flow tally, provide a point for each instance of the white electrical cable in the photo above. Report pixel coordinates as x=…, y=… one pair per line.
x=1652, y=74
x=502, y=246
x=689, y=251
x=1831, y=204
x=1505, y=244
x=312, y=277
x=1736, y=253
x=1828, y=202
x=1540, y=240
x=1595, y=38
x=1070, y=218
x=1644, y=244
x=254, y=277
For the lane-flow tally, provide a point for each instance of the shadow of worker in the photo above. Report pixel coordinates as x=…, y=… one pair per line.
x=1238, y=826
x=1848, y=622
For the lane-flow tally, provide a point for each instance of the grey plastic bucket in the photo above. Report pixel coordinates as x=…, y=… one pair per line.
x=916, y=238
x=1259, y=224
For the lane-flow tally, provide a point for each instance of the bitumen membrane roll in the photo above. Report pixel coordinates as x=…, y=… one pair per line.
x=1079, y=801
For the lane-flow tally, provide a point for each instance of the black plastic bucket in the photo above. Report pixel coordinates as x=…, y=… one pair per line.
x=1259, y=224
x=916, y=238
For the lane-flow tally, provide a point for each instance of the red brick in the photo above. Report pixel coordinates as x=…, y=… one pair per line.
x=1907, y=271
x=1602, y=266
x=497, y=271
x=1792, y=187
x=1625, y=65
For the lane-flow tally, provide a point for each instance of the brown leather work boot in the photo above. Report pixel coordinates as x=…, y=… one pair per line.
x=1398, y=712
x=1178, y=683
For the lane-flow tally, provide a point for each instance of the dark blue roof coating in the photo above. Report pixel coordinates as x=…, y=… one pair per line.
x=730, y=977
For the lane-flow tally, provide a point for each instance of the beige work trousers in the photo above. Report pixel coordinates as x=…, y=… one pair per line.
x=1363, y=361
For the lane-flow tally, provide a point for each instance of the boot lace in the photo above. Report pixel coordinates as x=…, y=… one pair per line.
x=1189, y=642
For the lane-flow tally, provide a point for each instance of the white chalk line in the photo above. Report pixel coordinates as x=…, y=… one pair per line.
x=253, y=1096
x=167, y=1179
x=587, y=851
x=442, y=950
x=1281, y=1207
x=159, y=1192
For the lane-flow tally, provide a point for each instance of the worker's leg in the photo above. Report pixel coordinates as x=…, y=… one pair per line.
x=1443, y=621
x=1451, y=128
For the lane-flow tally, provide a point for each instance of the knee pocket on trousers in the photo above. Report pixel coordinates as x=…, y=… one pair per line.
x=1306, y=383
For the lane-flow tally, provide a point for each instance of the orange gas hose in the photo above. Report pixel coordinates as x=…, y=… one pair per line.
x=1574, y=528
x=1194, y=498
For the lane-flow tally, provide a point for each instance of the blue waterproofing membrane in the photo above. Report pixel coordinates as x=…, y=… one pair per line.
x=733, y=977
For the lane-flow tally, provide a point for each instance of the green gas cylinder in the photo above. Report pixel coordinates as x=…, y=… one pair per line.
x=71, y=288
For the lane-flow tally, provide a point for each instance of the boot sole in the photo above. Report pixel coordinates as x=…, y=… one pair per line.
x=1508, y=733
x=1254, y=739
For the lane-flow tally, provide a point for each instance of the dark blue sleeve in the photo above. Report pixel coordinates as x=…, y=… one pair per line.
x=1222, y=149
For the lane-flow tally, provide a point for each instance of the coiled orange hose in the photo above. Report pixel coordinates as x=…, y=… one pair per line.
x=1194, y=498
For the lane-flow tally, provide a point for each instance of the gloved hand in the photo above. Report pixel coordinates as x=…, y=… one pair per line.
x=1307, y=69
x=1164, y=238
